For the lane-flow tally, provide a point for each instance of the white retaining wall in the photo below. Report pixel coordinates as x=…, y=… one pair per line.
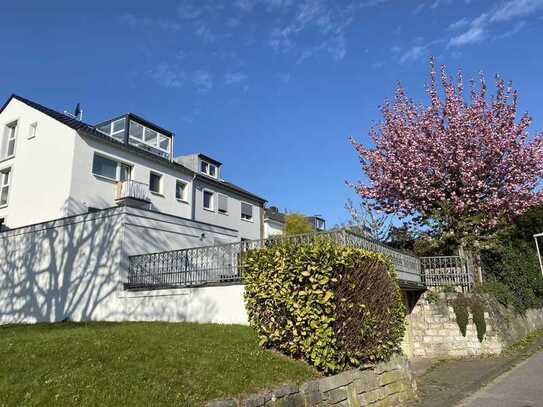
x=74, y=268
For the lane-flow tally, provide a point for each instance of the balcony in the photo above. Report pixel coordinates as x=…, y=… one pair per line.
x=132, y=193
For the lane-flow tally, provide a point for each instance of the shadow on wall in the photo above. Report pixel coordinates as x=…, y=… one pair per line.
x=71, y=271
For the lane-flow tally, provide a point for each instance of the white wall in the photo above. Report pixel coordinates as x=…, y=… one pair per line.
x=88, y=189
x=220, y=304
x=272, y=228
x=247, y=229
x=75, y=268
x=40, y=178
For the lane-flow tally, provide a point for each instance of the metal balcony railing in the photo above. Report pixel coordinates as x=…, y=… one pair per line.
x=446, y=270
x=223, y=263
x=132, y=190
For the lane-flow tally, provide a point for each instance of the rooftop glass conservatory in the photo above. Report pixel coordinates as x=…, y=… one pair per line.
x=133, y=130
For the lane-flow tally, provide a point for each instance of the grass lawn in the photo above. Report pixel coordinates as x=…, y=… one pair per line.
x=135, y=364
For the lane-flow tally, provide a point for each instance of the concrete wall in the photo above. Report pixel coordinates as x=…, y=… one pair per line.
x=40, y=178
x=435, y=333
x=74, y=268
x=386, y=384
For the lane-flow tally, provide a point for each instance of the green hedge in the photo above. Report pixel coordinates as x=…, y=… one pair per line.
x=333, y=306
x=512, y=261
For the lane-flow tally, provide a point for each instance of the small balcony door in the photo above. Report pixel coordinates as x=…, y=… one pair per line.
x=125, y=172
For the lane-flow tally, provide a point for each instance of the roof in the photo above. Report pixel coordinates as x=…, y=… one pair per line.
x=61, y=117
x=211, y=160
x=87, y=129
x=273, y=214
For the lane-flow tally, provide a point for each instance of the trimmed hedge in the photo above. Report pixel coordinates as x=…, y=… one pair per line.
x=333, y=306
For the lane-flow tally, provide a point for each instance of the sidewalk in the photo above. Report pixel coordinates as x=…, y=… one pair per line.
x=448, y=382
x=520, y=387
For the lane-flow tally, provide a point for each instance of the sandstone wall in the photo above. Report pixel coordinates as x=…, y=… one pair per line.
x=386, y=384
x=435, y=333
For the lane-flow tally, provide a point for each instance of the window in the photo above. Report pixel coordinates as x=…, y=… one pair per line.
x=181, y=190
x=246, y=211
x=125, y=172
x=114, y=129
x=111, y=169
x=223, y=204
x=208, y=200
x=155, y=181
x=33, y=130
x=104, y=167
x=320, y=224
x=208, y=169
x=117, y=129
x=4, y=186
x=149, y=139
x=8, y=141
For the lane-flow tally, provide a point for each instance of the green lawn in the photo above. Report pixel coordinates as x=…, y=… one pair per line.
x=135, y=364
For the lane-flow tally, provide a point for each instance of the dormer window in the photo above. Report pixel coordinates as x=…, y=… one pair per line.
x=114, y=129
x=149, y=139
x=208, y=169
x=140, y=133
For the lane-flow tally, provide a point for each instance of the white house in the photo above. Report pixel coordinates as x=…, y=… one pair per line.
x=78, y=201
x=54, y=166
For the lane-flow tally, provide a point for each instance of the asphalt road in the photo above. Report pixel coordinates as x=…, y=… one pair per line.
x=520, y=387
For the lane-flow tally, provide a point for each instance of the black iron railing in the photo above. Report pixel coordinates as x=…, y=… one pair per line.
x=223, y=263
x=446, y=270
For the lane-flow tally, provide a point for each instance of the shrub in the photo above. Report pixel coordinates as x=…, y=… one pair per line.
x=512, y=261
x=478, y=311
x=498, y=290
x=296, y=224
x=334, y=306
x=461, y=306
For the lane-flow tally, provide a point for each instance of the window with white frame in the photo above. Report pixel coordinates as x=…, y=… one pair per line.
x=208, y=169
x=209, y=198
x=149, y=139
x=8, y=140
x=181, y=190
x=33, y=130
x=155, y=183
x=246, y=211
x=114, y=129
x=223, y=204
x=4, y=186
x=111, y=169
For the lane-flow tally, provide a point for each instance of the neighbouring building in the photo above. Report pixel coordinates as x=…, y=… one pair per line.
x=274, y=221
x=54, y=166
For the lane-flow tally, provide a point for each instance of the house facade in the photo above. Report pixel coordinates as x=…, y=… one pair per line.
x=54, y=166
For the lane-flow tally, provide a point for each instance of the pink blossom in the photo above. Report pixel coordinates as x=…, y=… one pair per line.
x=468, y=164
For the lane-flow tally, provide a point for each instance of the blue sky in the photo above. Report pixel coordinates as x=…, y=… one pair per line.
x=272, y=88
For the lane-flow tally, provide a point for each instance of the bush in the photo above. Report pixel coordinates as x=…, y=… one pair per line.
x=461, y=306
x=333, y=306
x=296, y=224
x=513, y=261
x=498, y=290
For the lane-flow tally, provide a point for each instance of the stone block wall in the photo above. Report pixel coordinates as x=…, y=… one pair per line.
x=386, y=384
x=435, y=333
